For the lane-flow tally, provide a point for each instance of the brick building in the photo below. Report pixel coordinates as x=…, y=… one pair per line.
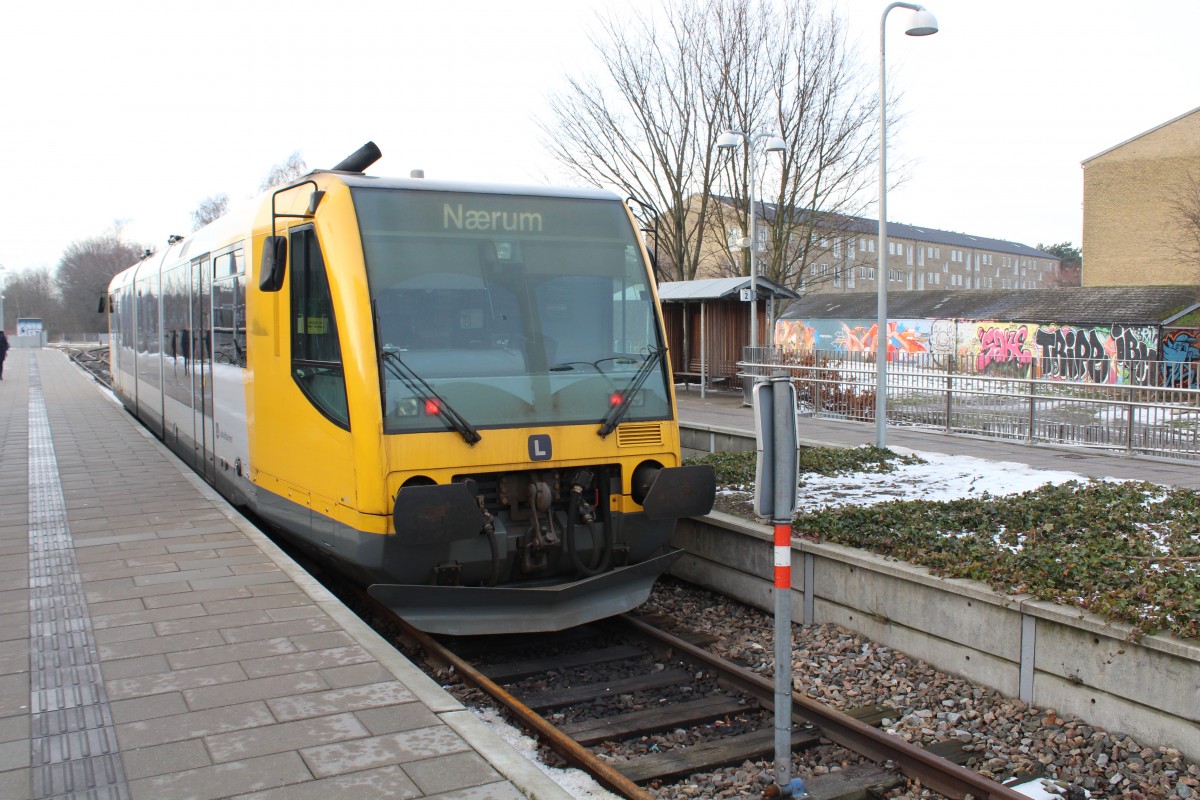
x=843, y=258
x=1129, y=237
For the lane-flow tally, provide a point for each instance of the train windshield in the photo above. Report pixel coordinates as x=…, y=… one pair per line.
x=512, y=310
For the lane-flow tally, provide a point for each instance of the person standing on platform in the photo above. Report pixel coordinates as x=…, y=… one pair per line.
x=3, y=352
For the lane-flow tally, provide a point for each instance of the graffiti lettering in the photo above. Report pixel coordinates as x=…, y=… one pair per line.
x=1096, y=355
x=999, y=345
x=1181, y=357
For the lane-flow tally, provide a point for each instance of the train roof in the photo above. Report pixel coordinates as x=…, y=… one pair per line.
x=359, y=180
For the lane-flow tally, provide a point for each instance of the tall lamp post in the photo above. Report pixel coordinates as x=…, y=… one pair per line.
x=773, y=144
x=922, y=23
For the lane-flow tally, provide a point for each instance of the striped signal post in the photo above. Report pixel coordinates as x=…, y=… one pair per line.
x=775, y=486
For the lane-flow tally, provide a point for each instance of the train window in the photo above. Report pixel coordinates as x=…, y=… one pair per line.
x=177, y=335
x=229, y=321
x=316, y=352
x=514, y=310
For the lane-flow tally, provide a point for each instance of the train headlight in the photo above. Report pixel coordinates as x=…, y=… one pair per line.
x=616, y=398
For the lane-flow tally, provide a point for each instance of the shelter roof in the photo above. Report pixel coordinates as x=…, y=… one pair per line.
x=1090, y=305
x=719, y=288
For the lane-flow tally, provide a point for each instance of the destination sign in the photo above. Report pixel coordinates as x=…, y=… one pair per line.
x=405, y=211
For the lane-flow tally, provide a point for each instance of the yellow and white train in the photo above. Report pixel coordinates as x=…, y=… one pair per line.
x=456, y=394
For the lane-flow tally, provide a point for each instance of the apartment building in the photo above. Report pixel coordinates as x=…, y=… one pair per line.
x=843, y=257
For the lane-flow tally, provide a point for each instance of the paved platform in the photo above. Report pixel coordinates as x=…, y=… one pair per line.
x=154, y=645
x=723, y=411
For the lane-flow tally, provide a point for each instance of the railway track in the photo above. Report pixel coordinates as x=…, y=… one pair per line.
x=589, y=692
x=94, y=360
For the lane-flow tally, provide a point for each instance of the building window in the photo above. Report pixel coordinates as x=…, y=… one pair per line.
x=921, y=256
x=908, y=255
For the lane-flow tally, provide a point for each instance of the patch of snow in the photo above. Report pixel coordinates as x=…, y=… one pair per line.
x=574, y=782
x=1040, y=789
x=942, y=477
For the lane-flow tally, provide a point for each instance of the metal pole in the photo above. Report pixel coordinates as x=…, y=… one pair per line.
x=881, y=331
x=703, y=351
x=881, y=325
x=783, y=652
x=785, y=503
x=753, y=244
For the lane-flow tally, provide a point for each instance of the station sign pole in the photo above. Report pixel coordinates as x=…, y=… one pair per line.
x=776, y=475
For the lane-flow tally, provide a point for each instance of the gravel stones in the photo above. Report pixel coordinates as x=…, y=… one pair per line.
x=1004, y=737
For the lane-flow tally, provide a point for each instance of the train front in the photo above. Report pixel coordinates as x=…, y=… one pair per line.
x=529, y=425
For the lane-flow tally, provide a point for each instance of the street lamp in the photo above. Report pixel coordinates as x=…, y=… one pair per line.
x=773, y=144
x=922, y=23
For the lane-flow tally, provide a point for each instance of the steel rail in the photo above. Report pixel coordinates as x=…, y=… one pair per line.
x=932, y=770
x=575, y=753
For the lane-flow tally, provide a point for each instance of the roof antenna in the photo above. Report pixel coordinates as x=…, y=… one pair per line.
x=360, y=159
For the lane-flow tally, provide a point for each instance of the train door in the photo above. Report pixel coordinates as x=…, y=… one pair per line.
x=201, y=347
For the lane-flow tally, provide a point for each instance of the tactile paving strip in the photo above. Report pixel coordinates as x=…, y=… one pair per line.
x=73, y=744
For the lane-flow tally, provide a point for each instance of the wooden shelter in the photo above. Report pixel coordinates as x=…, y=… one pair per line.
x=708, y=326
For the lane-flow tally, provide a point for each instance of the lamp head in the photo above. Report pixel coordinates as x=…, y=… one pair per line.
x=775, y=144
x=922, y=23
x=727, y=140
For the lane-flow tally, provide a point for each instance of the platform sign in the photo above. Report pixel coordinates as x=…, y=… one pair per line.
x=776, y=470
x=29, y=326
x=747, y=295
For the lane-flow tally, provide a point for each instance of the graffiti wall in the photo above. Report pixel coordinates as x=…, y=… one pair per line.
x=1112, y=354
x=905, y=336
x=1087, y=353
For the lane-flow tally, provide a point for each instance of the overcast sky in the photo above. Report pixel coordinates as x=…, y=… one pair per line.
x=135, y=111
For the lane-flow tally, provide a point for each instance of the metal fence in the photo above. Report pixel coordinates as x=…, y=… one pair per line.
x=1142, y=407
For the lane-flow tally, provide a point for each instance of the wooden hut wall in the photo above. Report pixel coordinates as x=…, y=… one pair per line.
x=726, y=326
x=673, y=316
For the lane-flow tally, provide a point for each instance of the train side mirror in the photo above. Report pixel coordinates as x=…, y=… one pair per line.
x=274, y=264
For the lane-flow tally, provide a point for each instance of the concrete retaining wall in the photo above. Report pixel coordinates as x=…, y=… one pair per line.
x=1049, y=655
x=699, y=439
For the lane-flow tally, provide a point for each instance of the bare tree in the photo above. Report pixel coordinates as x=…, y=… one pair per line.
x=284, y=172
x=210, y=209
x=672, y=87
x=649, y=127
x=1183, y=223
x=798, y=78
x=83, y=274
x=31, y=293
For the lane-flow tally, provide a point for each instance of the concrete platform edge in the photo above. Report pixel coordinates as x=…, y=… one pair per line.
x=530, y=780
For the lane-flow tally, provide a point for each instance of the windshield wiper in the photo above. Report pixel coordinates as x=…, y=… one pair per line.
x=418, y=385
x=617, y=413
